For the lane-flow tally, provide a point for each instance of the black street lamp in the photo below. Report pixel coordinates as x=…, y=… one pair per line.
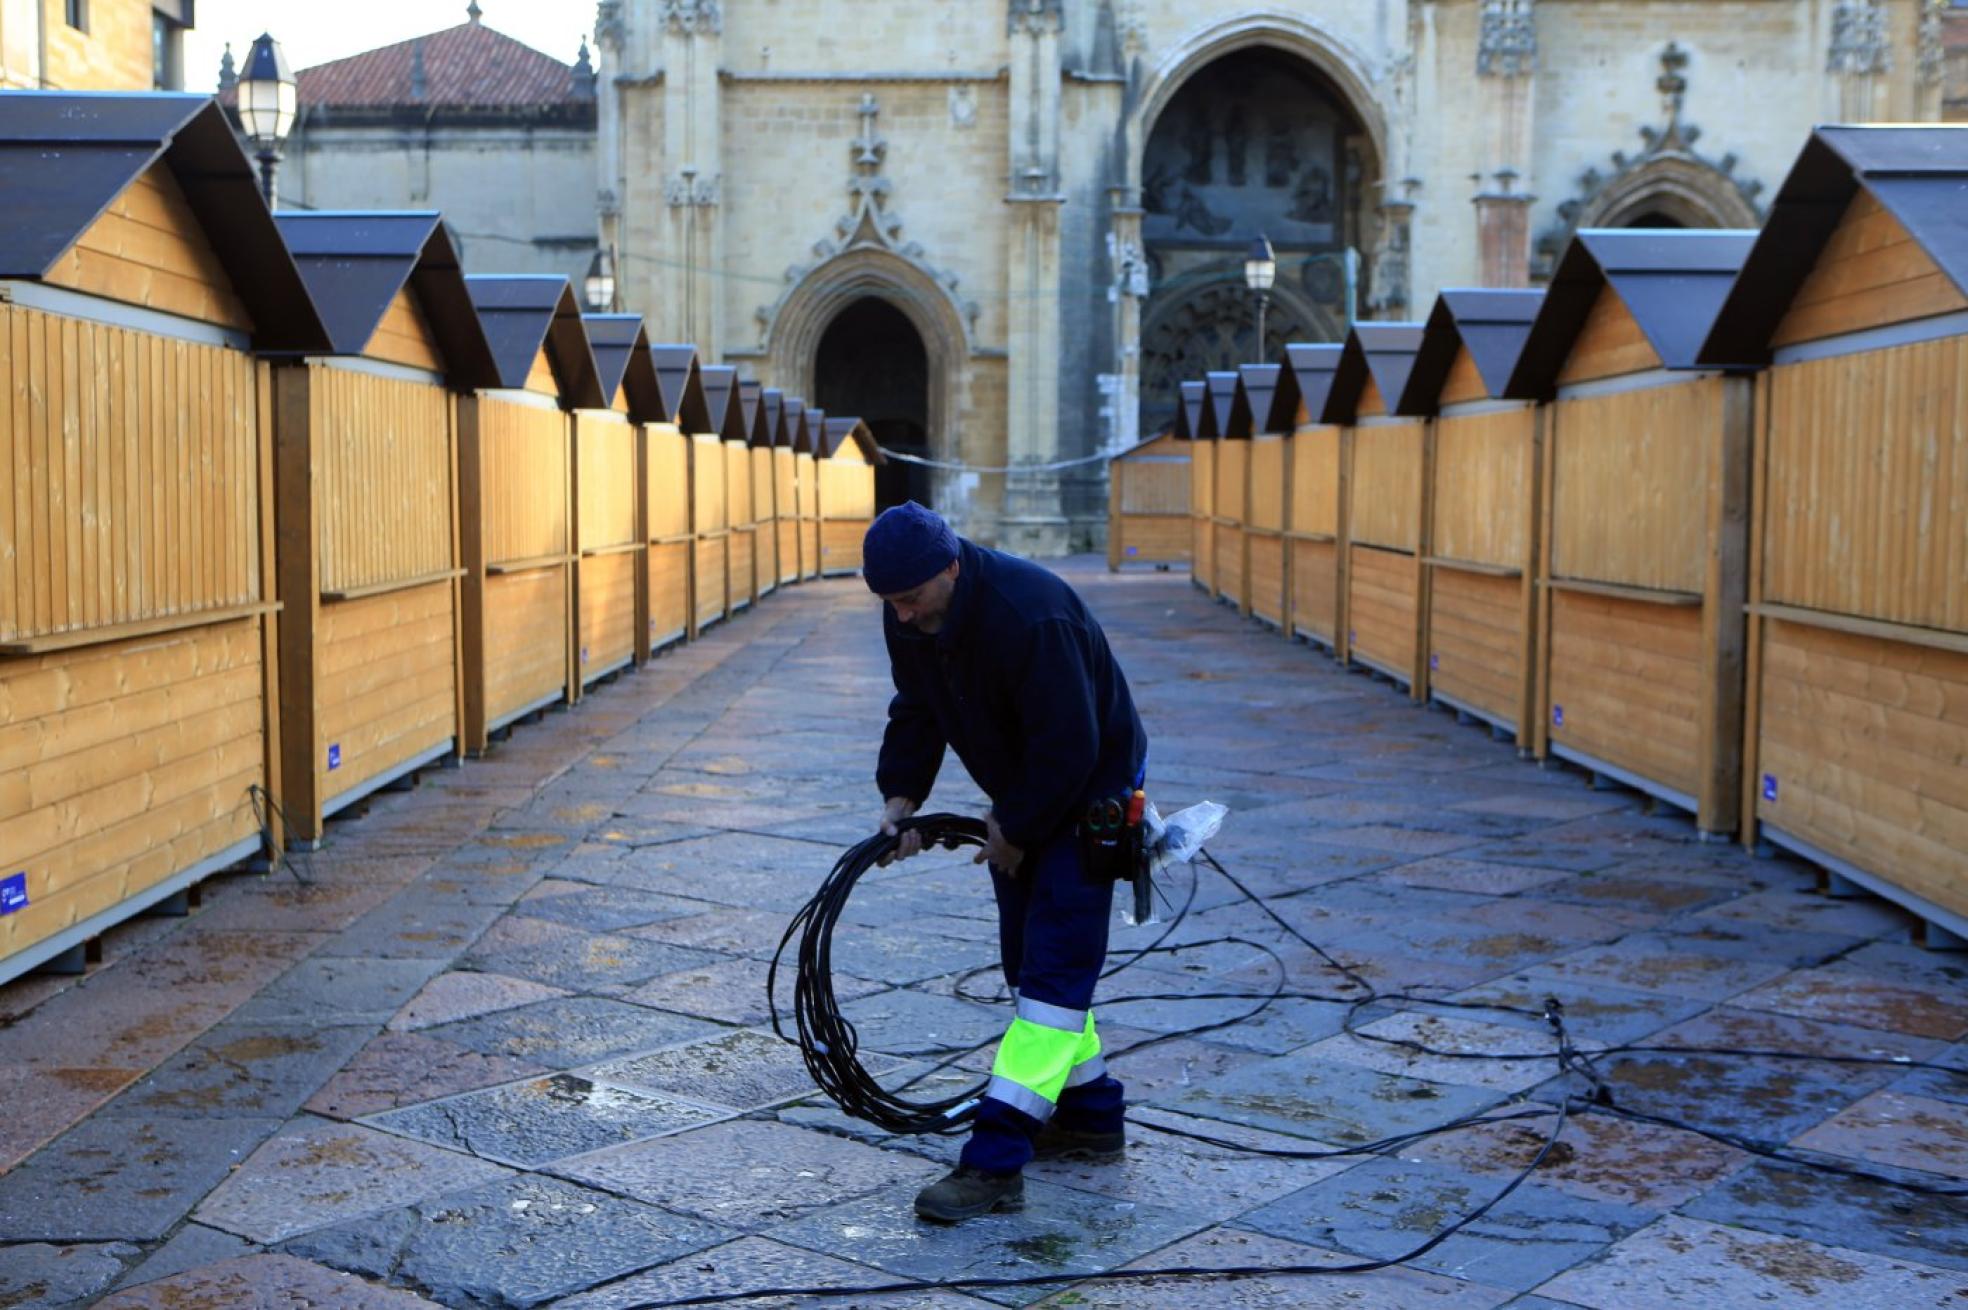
x=267, y=102
x=1260, y=271
x=598, y=287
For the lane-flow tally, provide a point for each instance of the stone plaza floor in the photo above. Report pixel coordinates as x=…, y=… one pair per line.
x=504, y=1040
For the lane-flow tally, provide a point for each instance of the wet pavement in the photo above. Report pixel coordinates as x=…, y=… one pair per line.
x=504, y=1041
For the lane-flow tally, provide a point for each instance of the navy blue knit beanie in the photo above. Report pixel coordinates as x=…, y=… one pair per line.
x=906, y=547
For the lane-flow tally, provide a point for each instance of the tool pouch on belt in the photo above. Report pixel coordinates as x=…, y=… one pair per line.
x=1113, y=845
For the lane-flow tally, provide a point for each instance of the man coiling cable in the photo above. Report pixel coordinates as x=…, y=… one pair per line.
x=1000, y=660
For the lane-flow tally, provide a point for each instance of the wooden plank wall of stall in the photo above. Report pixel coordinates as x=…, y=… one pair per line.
x=765, y=519
x=135, y=633
x=741, y=554
x=1858, y=704
x=1646, y=502
x=1264, y=549
x=515, y=485
x=671, y=544
x=1231, y=482
x=1202, y=511
x=847, y=507
x=710, y=530
x=369, y=677
x=1386, y=601
x=1148, y=518
x=786, y=508
x=1315, y=529
x=808, y=473
x=1481, y=613
x=612, y=569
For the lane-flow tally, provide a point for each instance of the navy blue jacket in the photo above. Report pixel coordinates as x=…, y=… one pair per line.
x=1021, y=683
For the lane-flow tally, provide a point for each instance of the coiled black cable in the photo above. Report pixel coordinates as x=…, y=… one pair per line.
x=826, y=1039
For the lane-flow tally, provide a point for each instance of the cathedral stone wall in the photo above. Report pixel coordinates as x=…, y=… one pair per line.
x=985, y=166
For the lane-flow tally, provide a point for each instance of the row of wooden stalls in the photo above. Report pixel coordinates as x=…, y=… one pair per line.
x=1694, y=518
x=291, y=507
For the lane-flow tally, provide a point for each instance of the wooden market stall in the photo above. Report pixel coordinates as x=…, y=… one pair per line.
x=1198, y=422
x=1645, y=500
x=1483, y=471
x=710, y=511
x=847, y=456
x=139, y=708
x=1386, y=474
x=1856, y=294
x=1148, y=501
x=1230, y=481
x=612, y=628
x=666, y=500
x=1315, y=510
x=1266, y=569
x=769, y=431
x=366, y=476
x=733, y=427
x=765, y=501
x=515, y=498
x=806, y=476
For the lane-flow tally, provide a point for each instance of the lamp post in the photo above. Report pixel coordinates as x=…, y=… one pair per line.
x=267, y=102
x=598, y=287
x=1260, y=271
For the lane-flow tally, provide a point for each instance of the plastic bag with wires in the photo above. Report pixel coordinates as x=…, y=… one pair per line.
x=1166, y=843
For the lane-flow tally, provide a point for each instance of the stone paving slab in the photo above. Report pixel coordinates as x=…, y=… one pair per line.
x=1850, y=998
x=586, y=962
x=519, y=1241
x=1060, y=1230
x=1216, y=1248
x=754, y=1262
x=122, y=1178
x=325, y=991
x=1851, y=1212
x=1673, y=966
x=406, y=1068
x=1444, y=1032
x=1386, y=1208
x=242, y=1070
x=541, y=1120
x=460, y=994
x=1896, y=1128
x=569, y=1032
x=193, y=1246
x=1596, y=1156
x=747, y=1070
x=607, y=909
x=1305, y=1096
x=263, y=1282
x=42, y=1274
x=1679, y=1262
x=315, y=1174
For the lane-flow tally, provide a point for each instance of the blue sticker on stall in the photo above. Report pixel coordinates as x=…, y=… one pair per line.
x=1557, y=716
x=13, y=893
x=1769, y=786
x=584, y=654
x=1134, y=550
x=1434, y=661
x=334, y=755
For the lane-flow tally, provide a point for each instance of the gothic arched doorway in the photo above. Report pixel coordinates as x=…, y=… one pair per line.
x=871, y=364
x=1256, y=141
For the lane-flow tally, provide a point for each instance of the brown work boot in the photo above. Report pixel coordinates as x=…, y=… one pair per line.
x=968, y=1192
x=1058, y=1142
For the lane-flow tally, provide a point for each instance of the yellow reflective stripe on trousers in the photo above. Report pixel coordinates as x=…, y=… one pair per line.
x=1036, y=1062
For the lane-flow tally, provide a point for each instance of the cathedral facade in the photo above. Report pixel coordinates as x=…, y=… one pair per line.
x=1003, y=230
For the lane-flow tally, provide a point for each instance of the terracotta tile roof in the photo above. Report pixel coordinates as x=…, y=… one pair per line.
x=469, y=64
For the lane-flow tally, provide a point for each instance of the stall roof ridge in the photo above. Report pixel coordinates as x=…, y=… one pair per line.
x=1917, y=172
x=65, y=156
x=520, y=313
x=620, y=346
x=1492, y=323
x=721, y=400
x=1260, y=386
x=1229, y=405
x=1384, y=351
x=681, y=376
x=840, y=430
x=1305, y=383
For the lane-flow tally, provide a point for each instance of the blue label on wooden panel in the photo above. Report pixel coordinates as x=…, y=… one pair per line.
x=1557, y=716
x=1434, y=661
x=1134, y=550
x=1770, y=787
x=334, y=755
x=13, y=893
x=584, y=654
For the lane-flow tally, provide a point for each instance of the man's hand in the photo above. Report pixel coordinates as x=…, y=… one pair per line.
x=898, y=809
x=998, y=852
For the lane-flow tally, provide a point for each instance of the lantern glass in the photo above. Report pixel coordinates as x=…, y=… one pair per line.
x=1260, y=266
x=267, y=94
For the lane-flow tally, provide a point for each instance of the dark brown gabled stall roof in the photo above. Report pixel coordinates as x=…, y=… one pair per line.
x=841, y=430
x=66, y=156
x=1198, y=416
x=1304, y=385
x=1672, y=281
x=354, y=265
x=772, y=417
x=751, y=400
x=1259, y=383
x=620, y=344
x=1492, y=325
x=1918, y=174
x=521, y=313
x=1228, y=405
x=1383, y=351
x=721, y=399
x=682, y=381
